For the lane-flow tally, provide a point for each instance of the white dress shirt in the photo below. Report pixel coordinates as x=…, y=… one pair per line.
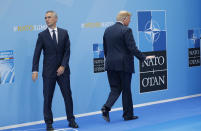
x=51, y=33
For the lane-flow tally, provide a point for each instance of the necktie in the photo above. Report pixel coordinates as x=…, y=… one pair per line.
x=54, y=37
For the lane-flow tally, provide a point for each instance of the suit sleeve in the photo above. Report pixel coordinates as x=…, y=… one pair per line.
x=37, y=53
x=66, y=57
x=104, y=46
x=130, y=43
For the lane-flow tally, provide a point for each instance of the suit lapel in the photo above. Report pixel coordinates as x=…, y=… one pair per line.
x=48, y=34
x=50, y=38
x=59, y=35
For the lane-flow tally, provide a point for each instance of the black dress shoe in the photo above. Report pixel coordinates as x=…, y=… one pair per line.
x=49, y=127
x=73, y=124
x=105, y=114
x=130, y=118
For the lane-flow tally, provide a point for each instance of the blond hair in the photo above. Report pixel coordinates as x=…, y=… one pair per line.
x=122, y=15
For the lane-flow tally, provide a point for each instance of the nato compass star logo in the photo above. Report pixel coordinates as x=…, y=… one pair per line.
x=152, y=30
x=98, y=50
x=194, y=36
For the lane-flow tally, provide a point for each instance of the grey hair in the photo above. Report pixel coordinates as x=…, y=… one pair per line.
x=53, y=12
x=122, y=15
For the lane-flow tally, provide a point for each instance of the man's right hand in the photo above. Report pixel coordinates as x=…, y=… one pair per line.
x=150, y=57
x=34, y=76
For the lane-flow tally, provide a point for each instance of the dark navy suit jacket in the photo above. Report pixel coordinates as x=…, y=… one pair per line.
x=55, y=55
x=119, y=48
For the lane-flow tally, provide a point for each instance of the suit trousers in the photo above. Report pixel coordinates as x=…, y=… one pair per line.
x=120, y=81
x=48, y=92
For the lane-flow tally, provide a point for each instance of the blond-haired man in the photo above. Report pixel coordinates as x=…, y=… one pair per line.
x=120, y=49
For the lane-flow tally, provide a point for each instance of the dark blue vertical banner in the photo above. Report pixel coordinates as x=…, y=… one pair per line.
x=98, y=58
x=152, y=41
x=194, y=47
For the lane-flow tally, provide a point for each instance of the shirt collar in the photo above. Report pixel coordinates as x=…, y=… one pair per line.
x=50, y=30
x=120, y=22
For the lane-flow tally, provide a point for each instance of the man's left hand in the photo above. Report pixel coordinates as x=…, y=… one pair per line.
x=60, y=70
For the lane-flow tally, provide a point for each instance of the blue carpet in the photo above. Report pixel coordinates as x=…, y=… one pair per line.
x=182, y=115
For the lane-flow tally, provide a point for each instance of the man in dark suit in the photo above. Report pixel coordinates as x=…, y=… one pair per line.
x=55, y=44
x=120, y=49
